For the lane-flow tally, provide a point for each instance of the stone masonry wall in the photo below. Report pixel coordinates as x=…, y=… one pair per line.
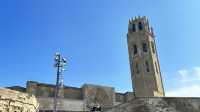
x=14, y=101
x=156, y=104
x=47, y=90
x=64, y=105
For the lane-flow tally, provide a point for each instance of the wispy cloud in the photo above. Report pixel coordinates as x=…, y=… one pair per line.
x=185, y=91
x=188, y=83
x=189, y=75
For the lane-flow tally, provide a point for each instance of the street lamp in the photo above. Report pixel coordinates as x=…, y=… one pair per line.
x=60, y=63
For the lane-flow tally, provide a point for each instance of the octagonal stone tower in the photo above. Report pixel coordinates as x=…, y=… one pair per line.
x=144, y=63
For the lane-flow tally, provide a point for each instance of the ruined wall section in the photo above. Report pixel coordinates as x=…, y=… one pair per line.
x=15, y=101
x=73, y=93
x=124, y=97
x=119, y=97
x=47, y=90
x=43, y=90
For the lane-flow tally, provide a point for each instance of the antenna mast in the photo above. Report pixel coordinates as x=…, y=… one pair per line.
x=60, y=63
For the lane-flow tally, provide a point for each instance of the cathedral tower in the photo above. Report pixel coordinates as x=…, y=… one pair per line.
x=144, y=64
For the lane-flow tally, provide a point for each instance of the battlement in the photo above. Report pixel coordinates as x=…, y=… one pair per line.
x=139, y=24
x=138, y=18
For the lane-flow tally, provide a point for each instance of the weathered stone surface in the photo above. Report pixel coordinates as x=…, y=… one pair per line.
x=74, y=98
x=144, y=63
x=156, y=104
x=93, y=94
x=111, y=101
x=63, y=104
x=48, y=90
x=15, y=101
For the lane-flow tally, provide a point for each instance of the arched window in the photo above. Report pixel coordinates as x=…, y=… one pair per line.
x=147, y=66
x=140, y=26
x=135, y=49
x=133, y=28
x=144, y=47
x=152, y=47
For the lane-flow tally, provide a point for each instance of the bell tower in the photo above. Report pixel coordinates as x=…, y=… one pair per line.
x=144, y=63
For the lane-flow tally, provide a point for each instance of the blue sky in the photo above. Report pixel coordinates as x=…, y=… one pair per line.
x=91, y=34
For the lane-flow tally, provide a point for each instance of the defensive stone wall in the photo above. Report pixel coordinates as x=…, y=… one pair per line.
x=73, y=93
x=73, y=98
x=119, y=97
x=17, y=88
x=159, y=104
x=47, y=90
x=64, y=105
x=15, y=101
x=80, y=99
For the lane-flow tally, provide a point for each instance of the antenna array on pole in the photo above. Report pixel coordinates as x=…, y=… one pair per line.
x=60, y=63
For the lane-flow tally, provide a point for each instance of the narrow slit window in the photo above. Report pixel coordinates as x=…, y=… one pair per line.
x=140, y=26
x=156, y=67
x=147, y=66
x=133, y=28
x=144, y=46
x=153, y=47
x=137, y=68
x=135, y=49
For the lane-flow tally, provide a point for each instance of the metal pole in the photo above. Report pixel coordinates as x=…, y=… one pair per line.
x=57, y=84
x=60, y=64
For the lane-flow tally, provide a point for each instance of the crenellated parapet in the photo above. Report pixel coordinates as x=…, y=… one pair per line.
x=140, y=24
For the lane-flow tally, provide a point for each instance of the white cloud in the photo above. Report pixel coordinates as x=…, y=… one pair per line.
x=189, y=75
x=188, y=91
x=183, y=74
x=187, y=83
x=197, y=72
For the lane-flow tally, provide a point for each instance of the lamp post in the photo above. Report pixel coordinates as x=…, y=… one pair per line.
x=60, y=63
